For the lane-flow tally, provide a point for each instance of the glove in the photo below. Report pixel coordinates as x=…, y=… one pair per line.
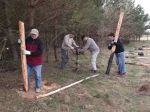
x=115, y=43
x=26, y=52
x=81, y=51
x=19, y=41
x=109, y=46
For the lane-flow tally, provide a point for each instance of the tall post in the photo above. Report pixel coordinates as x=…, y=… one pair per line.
x=23, y=57
x=118, y=30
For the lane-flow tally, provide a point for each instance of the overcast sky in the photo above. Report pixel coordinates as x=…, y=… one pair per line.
x=145, y=4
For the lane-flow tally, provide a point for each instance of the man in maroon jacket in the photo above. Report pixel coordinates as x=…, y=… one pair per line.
x=34, y=51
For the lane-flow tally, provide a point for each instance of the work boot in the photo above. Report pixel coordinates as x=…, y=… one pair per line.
x=122, y=75
x=91, y=70
x=95, y=71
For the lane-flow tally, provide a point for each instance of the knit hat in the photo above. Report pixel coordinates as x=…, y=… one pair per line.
x=34, y=31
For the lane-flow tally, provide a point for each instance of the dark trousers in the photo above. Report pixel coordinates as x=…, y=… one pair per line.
x=64, y=58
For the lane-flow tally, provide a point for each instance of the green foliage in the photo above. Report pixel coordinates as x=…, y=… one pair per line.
x=82, y=16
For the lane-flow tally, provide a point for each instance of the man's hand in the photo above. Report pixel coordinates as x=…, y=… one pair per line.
x=77, y=46
x=26, y=52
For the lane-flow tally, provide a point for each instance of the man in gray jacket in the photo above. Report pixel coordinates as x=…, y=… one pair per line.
x=68, y=43
x=93, y=48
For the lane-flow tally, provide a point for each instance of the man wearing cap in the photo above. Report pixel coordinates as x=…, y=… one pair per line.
x=68, y=43
x=34, y=51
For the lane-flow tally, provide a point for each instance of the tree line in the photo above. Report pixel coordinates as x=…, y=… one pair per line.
x=55, y=18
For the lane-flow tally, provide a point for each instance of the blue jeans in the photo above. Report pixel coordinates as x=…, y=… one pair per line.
x=64, y=58
x=120, y=60
x=37, y=70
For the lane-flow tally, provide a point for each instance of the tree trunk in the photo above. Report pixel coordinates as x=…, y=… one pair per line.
x=10, y=33
x=31, y=17
x=55, y=47
x=31, y=13
x=47, y=49
x=139, y=38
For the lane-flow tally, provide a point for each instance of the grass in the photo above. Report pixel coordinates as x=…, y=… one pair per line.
x=100, y=94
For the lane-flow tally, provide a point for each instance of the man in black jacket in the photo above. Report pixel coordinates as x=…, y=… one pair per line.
x=119, y=52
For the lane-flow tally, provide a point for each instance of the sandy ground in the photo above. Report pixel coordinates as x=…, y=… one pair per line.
x=31, y=94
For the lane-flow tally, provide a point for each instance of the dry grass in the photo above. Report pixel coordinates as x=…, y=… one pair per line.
x=101, y=94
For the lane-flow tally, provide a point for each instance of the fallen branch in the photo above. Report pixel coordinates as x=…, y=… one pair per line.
x=65, y=87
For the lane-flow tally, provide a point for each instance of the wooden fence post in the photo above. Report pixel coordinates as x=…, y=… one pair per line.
x=23, y=57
